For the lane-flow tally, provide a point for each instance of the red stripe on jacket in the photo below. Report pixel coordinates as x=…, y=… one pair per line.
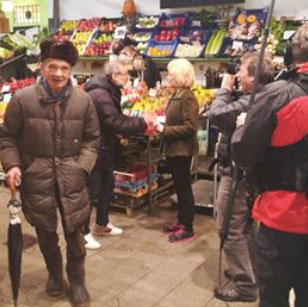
x=284, y=210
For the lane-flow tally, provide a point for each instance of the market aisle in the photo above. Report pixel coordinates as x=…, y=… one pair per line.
x=138, y=269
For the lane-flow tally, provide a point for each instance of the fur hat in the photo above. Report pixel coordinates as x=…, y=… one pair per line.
x=65, y=51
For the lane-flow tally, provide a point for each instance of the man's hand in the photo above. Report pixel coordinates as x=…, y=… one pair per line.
x=228, y=82
x=13, y=176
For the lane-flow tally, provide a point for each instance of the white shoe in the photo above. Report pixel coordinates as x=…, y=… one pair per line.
x=114, y=231
x=91, y=243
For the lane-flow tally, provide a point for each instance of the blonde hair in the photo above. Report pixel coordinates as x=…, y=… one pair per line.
x=183, y=72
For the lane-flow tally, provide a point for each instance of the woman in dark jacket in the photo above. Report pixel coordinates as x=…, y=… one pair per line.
x=180, y=144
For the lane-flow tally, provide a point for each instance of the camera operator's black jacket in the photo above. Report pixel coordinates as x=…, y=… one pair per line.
x=223, y=113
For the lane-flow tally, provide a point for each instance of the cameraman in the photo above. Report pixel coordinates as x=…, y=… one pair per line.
x=272, y=145
x=238, y=245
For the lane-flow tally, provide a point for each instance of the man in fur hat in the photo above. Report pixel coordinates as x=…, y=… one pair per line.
x=49, y=141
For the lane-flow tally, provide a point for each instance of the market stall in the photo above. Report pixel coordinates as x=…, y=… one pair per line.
x=209, y=38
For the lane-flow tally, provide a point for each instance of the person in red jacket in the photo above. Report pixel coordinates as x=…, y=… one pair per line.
x=272, y=145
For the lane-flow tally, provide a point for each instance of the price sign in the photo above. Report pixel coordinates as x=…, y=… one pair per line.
x=237, y=45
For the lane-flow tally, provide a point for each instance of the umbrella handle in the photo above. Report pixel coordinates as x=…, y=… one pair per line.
x=13, y=193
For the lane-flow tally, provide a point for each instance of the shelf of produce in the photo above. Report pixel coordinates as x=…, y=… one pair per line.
x=166, y=60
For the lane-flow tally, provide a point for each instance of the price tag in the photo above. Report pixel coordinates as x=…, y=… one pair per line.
x=237, y=45
x=288, y=34
x=7, y=98
x=5, y=89
x=196, y=23
x=120, y=32
x=185, y=39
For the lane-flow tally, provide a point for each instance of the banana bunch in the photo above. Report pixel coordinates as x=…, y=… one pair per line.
x=204, y=96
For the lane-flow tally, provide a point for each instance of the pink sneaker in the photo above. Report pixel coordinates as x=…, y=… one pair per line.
x=181, y=235
x=175, y=226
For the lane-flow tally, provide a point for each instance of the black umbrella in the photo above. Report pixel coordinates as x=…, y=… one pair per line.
x=237, y=170
x=15, y=244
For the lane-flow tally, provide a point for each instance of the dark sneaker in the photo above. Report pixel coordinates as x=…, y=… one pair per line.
x=181, y=235
x=175, y=226
x=231, y=295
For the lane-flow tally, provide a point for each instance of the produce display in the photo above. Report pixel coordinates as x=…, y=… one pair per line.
x=170, y=21
x=80, y=40
x=271, y=44
x=86, y=25
x=214, y=44
x=145, y=22
x=204, y=96
x=247, y=25
x=98, y=49
x=166, y=35
x=68, y=26
x=8, y=88
x=142, y=37
x=109, y=25
x=192, y=35
x=188, y=50
x=141, y=47
x=160, y=50
x=5, y=53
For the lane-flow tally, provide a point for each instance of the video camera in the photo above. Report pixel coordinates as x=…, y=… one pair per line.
x=233, y=68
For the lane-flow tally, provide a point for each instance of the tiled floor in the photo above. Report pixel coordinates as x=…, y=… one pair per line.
x=137, y=269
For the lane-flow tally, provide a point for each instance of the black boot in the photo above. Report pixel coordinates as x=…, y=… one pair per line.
x=53, y=259
x=76, y=275
x=54, y=286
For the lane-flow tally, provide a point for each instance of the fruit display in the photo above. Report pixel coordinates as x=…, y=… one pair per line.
x=204, y=96
x=271, y=44
x=166, y=35
x=68, y=26
x=147, y=22
x=10, y=88
x=8, y=44
x=141, y=47
x=5, y=53
x=246, y=25
x=192, y=36
x=109, y=25
x=80, y=40
x=169, y=21
x=214, y=44
x=86, y=25
x=98, y=49
x=164, y=50
x=141, y=37
x=15, y=85
x=188, y=50
x=60, y=37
